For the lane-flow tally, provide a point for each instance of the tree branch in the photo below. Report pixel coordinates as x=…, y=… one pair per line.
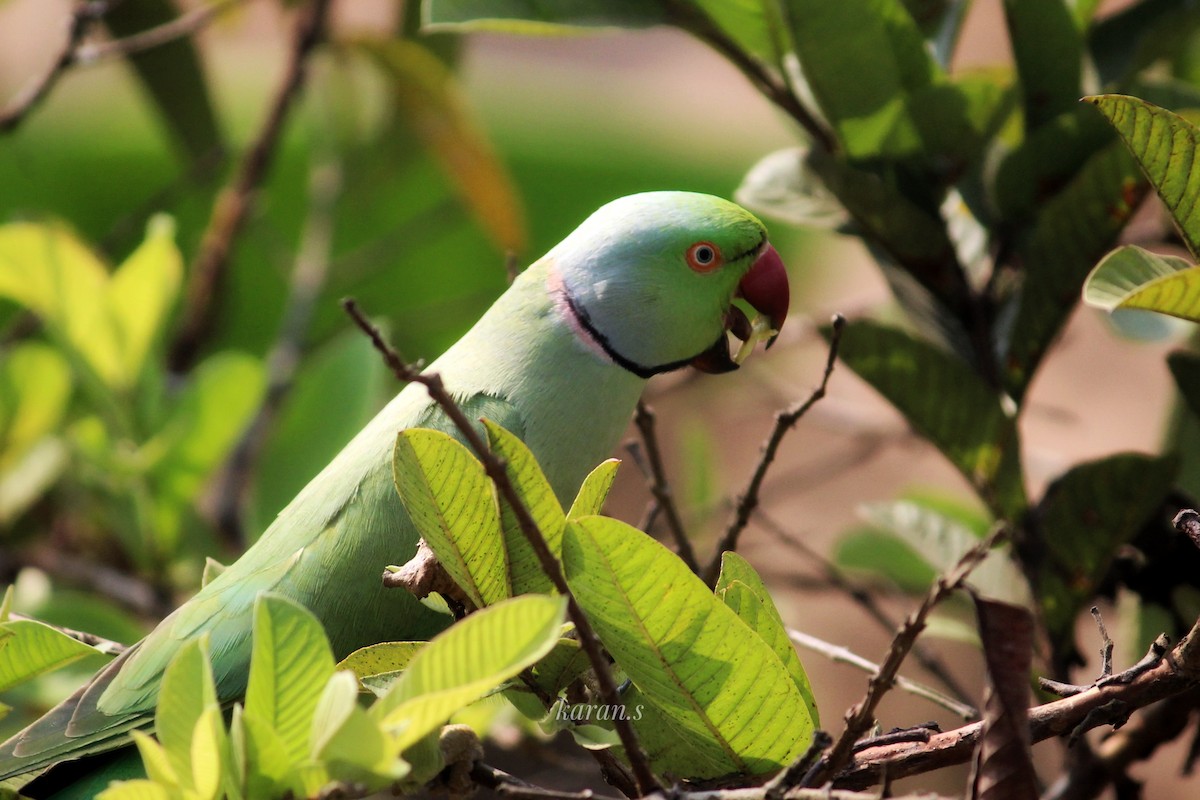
x=861, y=716
x=185, y=24
x=236, y=200
x=1176, y=672
x=784, y=421
x=661, y=488
x=644, y=777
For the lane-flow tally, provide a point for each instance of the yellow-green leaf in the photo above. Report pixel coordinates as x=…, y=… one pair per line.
x=142, y=292
x=467, y=661
x=684, y=649
x=134, y=790
x=29, y=648
x=187, y=692
x=378, y=666
x=453, y=504
x=525, y=571
x=1130, y=277
x=594, y=490
x=1167, y=147
x=290, y=665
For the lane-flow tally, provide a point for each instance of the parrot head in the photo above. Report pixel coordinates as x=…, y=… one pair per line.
x=650, y=279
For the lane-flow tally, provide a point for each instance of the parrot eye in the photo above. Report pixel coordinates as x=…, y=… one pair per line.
x=703, y=257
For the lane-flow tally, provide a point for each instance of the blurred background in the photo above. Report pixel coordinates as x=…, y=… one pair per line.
x=366, y=197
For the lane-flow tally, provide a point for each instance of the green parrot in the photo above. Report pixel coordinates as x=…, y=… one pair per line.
x=644, y=286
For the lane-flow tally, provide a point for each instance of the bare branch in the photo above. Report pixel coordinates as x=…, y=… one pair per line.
x=1176, y=672
x=644, y=777
x=85, y=15
x=860, y=718
x=236, y=200
x=784, y=421
x=661, y=488
x=185, y=24
x=844, y=655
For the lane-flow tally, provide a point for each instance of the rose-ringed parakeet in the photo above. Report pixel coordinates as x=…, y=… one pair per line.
x=644, y=286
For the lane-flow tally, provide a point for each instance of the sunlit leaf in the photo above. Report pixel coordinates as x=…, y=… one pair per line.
x=1131, y=277
x=134, y=790
x=594, y=490
x=561, y=666
x=684, y=648
x=877, y=554
x=290, y=665
x=741, y=588
x=453, y=504
x=29, y=648
x=465, y=662
x=1167, y=147
x=379, y=666
x=524, y=568
x=142, y=292
x=187, y=693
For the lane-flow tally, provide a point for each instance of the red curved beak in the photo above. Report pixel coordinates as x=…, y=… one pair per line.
x=765, y=288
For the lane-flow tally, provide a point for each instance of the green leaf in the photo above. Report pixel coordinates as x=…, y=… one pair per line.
x=880, y=554
x=187, y=693
x=525, y=571
x=212, y=570
x=837, y=42
x=783, y=186
x=173, y=76
x=134, y=790
x=1048, y=48
x=209, y=754
x=594, y=490
x=561, y=666
x=290, y=664
x=29, y=648
x=743, y=590
x=35, y=385
x=1185, y=369
x=426, y=95
x=154, y=760
x=537, y=17
x=379, y=666
x=267, y=761
x=946, y=402
x=1072, y=231
x=753, y=24
x=465, y=662
x=942, y=541
x=1167, y=147
x=1130, y=277
x=701, y=665
x=350, y=744
x=142, y=292
x=1082, y=521
x=453, y=505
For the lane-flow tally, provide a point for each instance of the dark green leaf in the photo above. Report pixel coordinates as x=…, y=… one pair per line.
x=1048, y=48
x=539, y=17
x=946, y=402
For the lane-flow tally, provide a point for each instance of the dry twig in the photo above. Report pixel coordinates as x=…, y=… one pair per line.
x=644, y=777
x=860, y=718
x=656, y=479
x=784, y=421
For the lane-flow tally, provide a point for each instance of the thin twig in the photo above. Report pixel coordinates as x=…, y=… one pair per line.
x=844, y=655
x=185, y=24
x=83, y=17
x=784, y=421
x=1106, y=649
x=643, y=418
x=99, y=643
x=867, y=602
x=646, y=782
x=235, y=201
x=307, y=281
x=861, y=716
